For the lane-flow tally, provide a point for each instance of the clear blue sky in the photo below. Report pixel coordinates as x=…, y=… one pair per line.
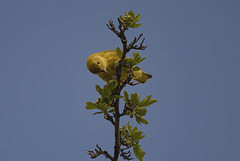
x=193, y=53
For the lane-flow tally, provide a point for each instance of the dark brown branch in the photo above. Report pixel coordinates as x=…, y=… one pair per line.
x=133, y=46
x=110, y=118
x=125, y=155
x=121, y=35
x=117, y=130
x=98, y=152
x=126, y=108
x=126, y=48
x=111, y=26
x=127, y=81
x=121, y=28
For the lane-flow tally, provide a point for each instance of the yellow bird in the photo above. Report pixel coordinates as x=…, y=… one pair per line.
x=102, y=64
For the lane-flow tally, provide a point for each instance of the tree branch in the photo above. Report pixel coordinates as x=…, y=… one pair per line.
x=126, y=48
x=110, y=118
x=126, y=108
x=125, y=155
x=133, y=46
x=99, y=152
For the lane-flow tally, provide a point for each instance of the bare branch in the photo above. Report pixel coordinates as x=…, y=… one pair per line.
x=98, y=152
x=127, y=81
x=110, y=118
x=133, y=46
x=126, y=108
x=111, y=26
x=126, y=155
x=123, y=154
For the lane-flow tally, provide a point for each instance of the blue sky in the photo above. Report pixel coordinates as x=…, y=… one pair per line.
x=193, y=55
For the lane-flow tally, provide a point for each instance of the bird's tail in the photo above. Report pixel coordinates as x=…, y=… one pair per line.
x=143, y=78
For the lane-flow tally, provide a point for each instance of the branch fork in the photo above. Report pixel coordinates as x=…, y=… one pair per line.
x=98, y=152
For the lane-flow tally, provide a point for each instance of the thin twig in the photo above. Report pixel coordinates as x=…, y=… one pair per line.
x=126, y=108
x=125, y=155
x=110, y=118
x=98, y=152
x=133, y=46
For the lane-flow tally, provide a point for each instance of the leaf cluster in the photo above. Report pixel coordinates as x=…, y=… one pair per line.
x=130, y=20
x=136, y=108
x=105, y=101
x=131, y=137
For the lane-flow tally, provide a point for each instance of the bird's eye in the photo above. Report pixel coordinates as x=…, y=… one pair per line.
x=98, y=62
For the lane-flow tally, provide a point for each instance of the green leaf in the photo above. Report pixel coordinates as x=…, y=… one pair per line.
x=135, y=98
x=119, y=52
x=127, y=136
x=135, y=55
x=140, y=119
x=137, y=118
x=90, y=106
x=97, y=113
x=140, y=60
x=112, y=84
x=129, y=128
x=104, y=99
x=103, y=107
x=153, y=101
x=134, y=130
x=106, y=92
x=121, y=18
x=126, y=97
x=144, y=121
x=136, y=25
x=136, y=145
x=99, y=89
x=141, y=111
x=139, y=153
x=145, y=101
x=141, y=137
x=137, y=58
x=123, y=130
x=132, y=98
x=136, y=136
x=131, y=13
x=137, y=18
x=111, y=110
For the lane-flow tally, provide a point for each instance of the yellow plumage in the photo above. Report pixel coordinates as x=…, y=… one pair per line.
x=102, y=64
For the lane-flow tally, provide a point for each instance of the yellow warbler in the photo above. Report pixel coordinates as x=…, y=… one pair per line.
x=102, y=64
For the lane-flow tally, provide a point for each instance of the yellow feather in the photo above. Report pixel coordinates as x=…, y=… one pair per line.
x=102, y=64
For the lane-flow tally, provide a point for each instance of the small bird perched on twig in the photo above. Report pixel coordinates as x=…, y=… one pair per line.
x=102, y=64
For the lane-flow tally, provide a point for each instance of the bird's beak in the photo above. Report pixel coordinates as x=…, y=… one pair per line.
x=104, y=71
